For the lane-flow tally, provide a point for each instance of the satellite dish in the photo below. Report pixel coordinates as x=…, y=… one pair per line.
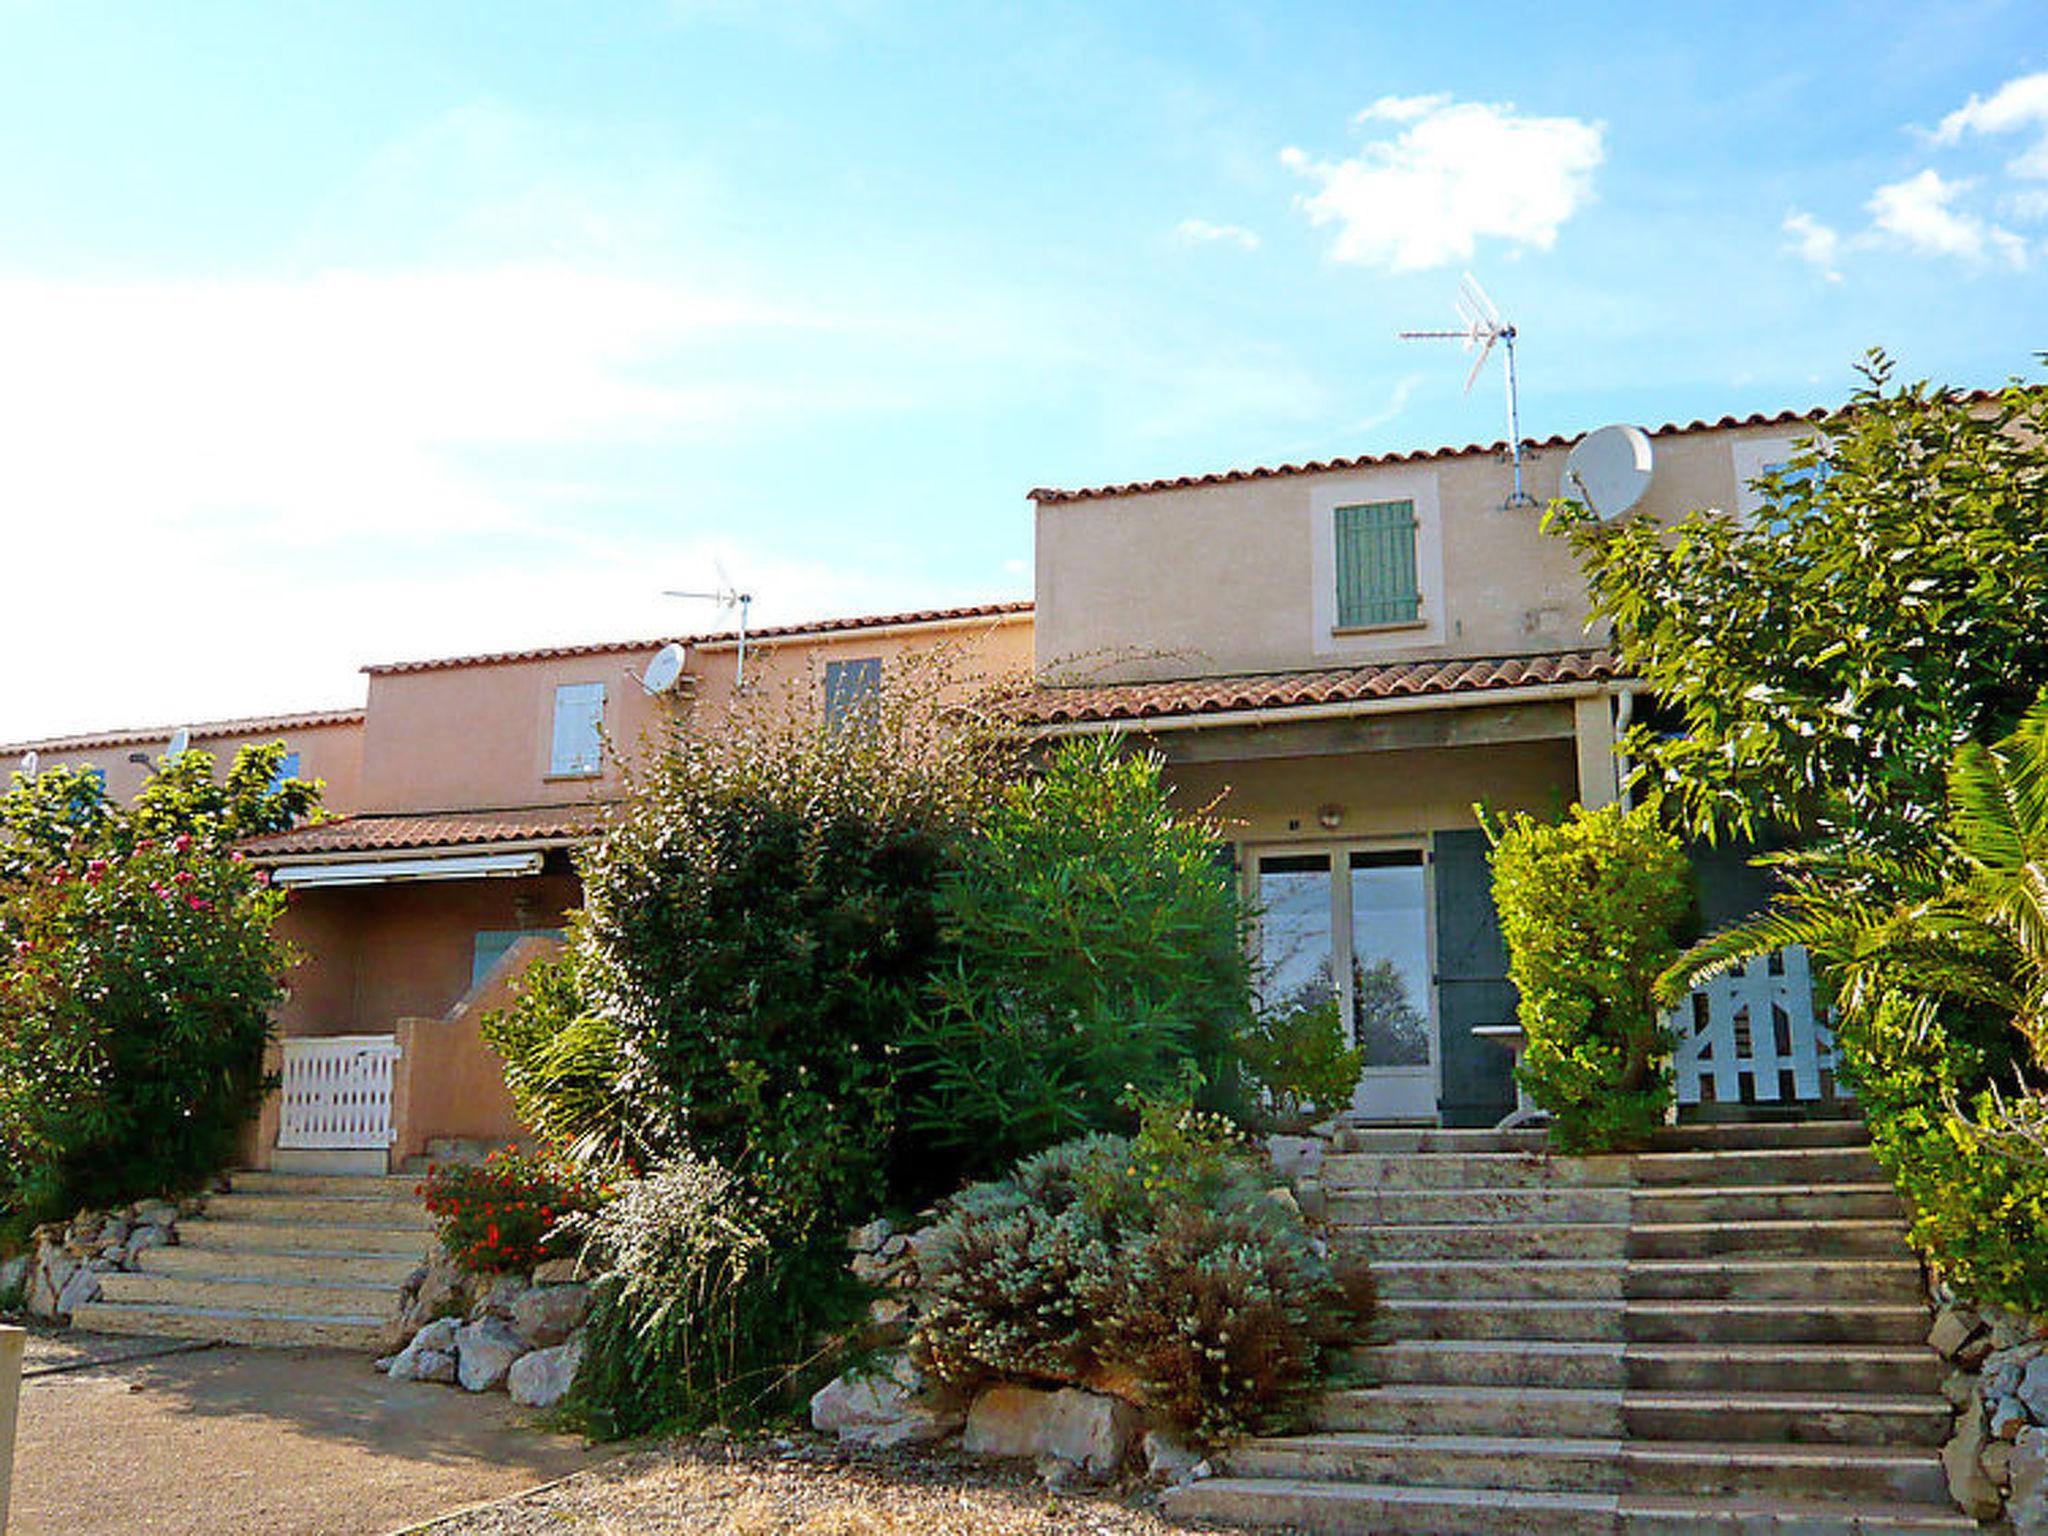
x=666, y=669
x=31, y=760
x=1609, y=470
x=181, y=741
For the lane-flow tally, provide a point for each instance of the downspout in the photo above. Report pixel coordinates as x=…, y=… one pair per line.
x=1624, y=716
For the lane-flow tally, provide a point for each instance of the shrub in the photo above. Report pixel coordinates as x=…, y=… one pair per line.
x=508, y=1213
x=1299, y=1065
x=709, y=1305
x=565, y=1067
x=758, y=923
x=1164, y=1267
x=1589, y=908
x=1096, y=943
x=139, y=979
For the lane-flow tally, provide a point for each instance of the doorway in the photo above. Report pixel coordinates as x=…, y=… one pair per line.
x=1350, y=924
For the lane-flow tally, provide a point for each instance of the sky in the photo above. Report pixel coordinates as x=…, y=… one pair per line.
x=333, y=334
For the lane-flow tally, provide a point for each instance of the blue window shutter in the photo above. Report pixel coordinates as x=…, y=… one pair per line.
x=578, y=745
x=851, y=686
x=1376, y=581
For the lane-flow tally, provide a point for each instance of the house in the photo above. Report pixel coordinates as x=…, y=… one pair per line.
x=1344, y=658
x=457, y=796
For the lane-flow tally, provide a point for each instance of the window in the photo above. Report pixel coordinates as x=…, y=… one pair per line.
x=579, y=730
x=287, y=768
x=492, y=944
x=852, y=688
x=1376, y=577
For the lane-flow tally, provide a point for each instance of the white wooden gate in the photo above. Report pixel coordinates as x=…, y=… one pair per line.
x=337, y=1092
x=1752, y=1037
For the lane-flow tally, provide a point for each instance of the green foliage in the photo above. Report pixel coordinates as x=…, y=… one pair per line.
x=1165, y=1269
x=707, y=1299
x=140, y=977
x=564, y=1066
x=1824, y=662
x=1938, y=963
x=1299, y=1064
x=1589, y=908
x=1095, y=943
x=758, y=925
x=507, y=1213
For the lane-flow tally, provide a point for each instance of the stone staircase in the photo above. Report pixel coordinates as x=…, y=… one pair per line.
x=1723, y=1334
x=285, y=1259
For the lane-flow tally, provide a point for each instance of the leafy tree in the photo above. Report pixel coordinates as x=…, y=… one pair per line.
x=1823, y=662
x=140, y=974
x=1095, y=944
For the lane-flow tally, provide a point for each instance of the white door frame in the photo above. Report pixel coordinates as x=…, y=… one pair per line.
x=1405, y=1094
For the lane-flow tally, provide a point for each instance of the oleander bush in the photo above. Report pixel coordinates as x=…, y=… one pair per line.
x=1590, y=908
x=140, y=972
x=509, y=1212
x=1164, y=1267
x=1301, y=1070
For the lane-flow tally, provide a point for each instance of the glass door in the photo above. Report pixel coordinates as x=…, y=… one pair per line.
x=1352, y=924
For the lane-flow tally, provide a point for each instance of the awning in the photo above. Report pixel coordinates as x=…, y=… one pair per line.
x=457, y=866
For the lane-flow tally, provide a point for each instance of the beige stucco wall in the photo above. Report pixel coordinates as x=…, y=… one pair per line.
x=479, y=735
x=332, y=753
x=1238, y=578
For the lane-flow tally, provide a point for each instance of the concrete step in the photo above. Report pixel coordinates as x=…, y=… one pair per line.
x=1805, y=1239
x=1438, y=1207
x=389, y=1213
x=283, y=1264
x=1682, y=1138
x=1339, y=1509
x=1761, y=1418
x=258, y=1181
x=1505, y=1242
x=1855, y=1281
x=1494, y=1363
x=1471, y=1170
x=1665, y=1322
x=1491, y=1279
x=289, y=1237
x=1768, y=1202
x=1829, y=1473
x=306, y=1160
x=1885, y=1369
x=230, y=1325
x=308, y=1298
x=1758, y=1165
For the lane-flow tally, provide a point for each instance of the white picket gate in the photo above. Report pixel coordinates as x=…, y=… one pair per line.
x=337, y=1092
x=1752, y=1036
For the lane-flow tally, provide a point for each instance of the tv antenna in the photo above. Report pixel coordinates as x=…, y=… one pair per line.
x=1483, y=328
x=729, y=599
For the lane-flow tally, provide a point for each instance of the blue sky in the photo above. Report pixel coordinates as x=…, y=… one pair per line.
x=335, y=333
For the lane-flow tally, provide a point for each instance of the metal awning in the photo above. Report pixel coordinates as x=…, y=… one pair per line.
x=455, y=866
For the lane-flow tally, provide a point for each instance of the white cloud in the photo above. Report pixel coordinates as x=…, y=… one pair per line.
x=1456, y=173
x=1920, y=213
x=1202, y=232
x=1814, y=242
x=2019, y=103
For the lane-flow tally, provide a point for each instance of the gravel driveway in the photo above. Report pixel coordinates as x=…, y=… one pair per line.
x=120, y=1436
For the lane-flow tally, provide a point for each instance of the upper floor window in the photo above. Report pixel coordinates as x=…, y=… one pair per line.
x=851, y=688
x=1376, y=572
x=579, y=729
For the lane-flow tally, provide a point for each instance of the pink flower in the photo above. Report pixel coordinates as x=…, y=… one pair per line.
x=198, y=903
x=23, y=949
x=183, y=842
x=184, y=877
x=95, y=872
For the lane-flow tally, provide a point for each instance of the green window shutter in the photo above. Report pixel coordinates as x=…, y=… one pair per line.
x=1376, y=565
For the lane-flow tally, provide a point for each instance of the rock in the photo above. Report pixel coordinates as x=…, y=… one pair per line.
x=2029, y=1507
x=50, y=1272
x=894, y=1248
x=871, y=1268
x=1060, y=1476
x=484, y=1351
x=1283, y=1197
x=2033, y=1389
x=1973, y=1354
x=439, y=1334
x=426, y=1365
x=1167, y=1459
x=442, y=1291
x=2005, y=1417
x=548, y=1314
x=1997, y=1463
x=1958, y=1387
x=884, y=1408
x=543, y=1378
x=144, y=1238
x=1091, y=1431
x=1954, y=1328
x=869, y=1239
x=498, y=1297
x=385, y=1363
x=1296, y=1156
x=558, y=1271
x=14, y=1274
x=155, y=1213
x=1976, y=1495
x=1312, y=1199
x=82, y=1287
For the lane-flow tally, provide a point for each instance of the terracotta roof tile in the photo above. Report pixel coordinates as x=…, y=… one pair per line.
x=211, y=730
x=772, y=632
x=1077, y=705
x=431, y=829
x=1048, y=496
